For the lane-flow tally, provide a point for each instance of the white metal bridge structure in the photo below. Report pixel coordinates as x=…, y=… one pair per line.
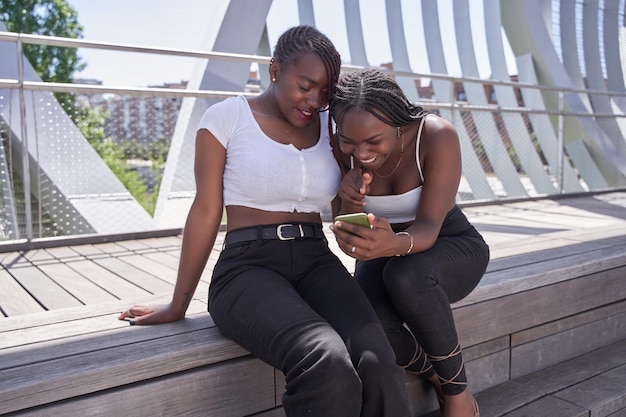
x=557, y=129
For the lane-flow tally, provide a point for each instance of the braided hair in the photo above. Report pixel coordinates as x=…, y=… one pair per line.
x=377, y=93
x=305, y=39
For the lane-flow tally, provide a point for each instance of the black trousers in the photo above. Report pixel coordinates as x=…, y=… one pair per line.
x=417, y=290
x=295, y=306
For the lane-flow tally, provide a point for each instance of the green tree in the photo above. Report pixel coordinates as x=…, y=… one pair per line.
x=49, y=18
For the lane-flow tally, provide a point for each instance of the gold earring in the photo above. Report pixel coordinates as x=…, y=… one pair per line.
x=398, y=132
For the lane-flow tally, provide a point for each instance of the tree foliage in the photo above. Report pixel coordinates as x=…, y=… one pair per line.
x=49, y=18
x=59, y=64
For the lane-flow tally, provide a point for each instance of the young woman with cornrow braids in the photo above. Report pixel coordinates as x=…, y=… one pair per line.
x=277, y=289
x=402, y=165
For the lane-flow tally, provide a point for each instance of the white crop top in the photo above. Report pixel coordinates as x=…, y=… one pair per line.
x=263, y=174
x=399, y=208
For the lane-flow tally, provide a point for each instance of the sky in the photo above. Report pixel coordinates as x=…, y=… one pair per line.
x=182, y=24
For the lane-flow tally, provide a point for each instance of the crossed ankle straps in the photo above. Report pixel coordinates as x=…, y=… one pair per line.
x=419, y=352
x=456, y=351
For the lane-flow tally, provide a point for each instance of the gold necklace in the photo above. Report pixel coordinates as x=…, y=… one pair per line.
x=400, y=133
x=288, y=133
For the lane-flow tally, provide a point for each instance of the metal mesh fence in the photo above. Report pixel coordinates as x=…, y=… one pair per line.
x=120, y=160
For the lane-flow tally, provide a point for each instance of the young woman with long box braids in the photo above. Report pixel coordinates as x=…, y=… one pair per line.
x=402, y=165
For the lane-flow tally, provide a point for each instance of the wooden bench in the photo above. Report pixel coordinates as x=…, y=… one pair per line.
x=543, y=301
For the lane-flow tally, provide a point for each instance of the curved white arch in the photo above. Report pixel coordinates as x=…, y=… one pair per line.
x=484, y=122
x=472, y=169
x=238, y=27
x=528, y=35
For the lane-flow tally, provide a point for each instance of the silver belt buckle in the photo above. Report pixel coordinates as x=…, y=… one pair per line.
x=279, y=231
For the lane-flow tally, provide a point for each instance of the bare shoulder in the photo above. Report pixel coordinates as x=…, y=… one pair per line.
x=435, y=124
x=439, y=132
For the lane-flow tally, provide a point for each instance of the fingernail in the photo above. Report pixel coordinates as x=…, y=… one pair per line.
x=131, y=322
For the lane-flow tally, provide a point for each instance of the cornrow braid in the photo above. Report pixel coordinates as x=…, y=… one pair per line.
x=377, y=93
x=305, y=39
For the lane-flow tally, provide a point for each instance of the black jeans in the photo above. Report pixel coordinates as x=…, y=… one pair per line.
x=418, y=290
x=295, y=306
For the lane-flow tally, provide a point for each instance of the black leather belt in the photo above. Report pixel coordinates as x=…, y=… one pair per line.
x=278, y=232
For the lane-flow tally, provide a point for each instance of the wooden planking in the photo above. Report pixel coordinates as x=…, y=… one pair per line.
x=84, y=373
x=168, y=259
x=136, y=276
x=63, y=252
x=87, y=250
x=602, y=395
x=74, y=338
x=14, y=299
x=44, y=289
x=565, y=374
x=567, y=323
x=488, y=371
x=243, y=387
x=151, y=267
x=486, y=362
x=84, y=312
x=112, y=283
x=522, y=310
x=163, y=242
x=576, y=380
x=37, y=255
x=540, y=273
x=561, y=346
x=550, y=407
x=76, y=284
x=552, y=250
x=134, y=245
x=535, y=245
x=506, y=397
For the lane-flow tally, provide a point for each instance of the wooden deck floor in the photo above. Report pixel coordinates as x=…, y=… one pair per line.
x=53, y=278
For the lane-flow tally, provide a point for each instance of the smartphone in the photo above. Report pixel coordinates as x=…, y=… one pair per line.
x=355, y=218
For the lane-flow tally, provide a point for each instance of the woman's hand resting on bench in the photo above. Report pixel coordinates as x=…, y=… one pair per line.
x=151, y=314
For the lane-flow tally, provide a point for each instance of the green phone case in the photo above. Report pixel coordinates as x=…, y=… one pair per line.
x=355, y=218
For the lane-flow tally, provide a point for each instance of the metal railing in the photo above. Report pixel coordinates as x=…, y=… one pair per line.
x=495, y=148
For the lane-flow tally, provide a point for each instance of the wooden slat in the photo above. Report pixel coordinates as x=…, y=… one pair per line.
x=87, y=250
x=133, y=245
x=75, y=375
x=568, y=323
x=568, y=344
x=14, y=299
x=533, y=275
x=151, y=267
x=45, y=290
x=112, y=283
x=80, y=336
x=76, y=284
x=479, y=322
x=167, y=259
x=82, y=312
x=237, y=389
x=136, y=276
x=63, y=252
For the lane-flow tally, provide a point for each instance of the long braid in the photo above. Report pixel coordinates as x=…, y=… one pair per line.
x=306, y=39
x=376, y=93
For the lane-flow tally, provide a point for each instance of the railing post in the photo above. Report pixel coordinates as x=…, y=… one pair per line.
x=560, y=152
x=25, y=154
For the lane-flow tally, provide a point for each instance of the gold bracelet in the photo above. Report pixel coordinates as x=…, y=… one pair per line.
x=410, y=246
